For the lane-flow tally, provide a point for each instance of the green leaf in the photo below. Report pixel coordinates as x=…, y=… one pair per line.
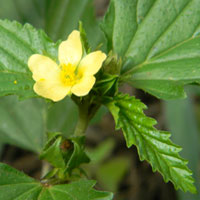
x=161, y=89
x=75, y=191
x=162, y=42
x=22, y=123
x=153, y=145
x=17, y=44
x=120, y=24
x=16, y=185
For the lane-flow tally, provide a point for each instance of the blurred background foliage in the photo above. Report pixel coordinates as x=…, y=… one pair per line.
x=25, y=123
x=183, y=122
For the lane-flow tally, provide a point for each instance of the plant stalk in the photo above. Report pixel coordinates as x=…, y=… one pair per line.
x=83, y=121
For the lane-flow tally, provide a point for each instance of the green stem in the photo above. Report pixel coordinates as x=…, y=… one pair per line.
x=83, y=121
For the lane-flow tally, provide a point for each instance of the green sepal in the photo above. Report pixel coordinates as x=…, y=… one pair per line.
x=78, y=155
x=52, y=151
x=112, y=64
x=107, y=85
x=107, y=25
x=84, y=40
x=66, y=154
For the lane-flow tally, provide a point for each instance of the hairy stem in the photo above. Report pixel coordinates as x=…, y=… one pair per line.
x=45, y=168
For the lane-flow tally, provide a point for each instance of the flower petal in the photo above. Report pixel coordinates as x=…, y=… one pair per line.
x=91, y=63
x=43, y=67
x=84, y=86
x=70, y=51
x=51, y=90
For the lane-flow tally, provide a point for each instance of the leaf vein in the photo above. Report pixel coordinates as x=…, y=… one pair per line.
x=168, y=27
x=148, y=13
x=14, y=57
x=26, y=44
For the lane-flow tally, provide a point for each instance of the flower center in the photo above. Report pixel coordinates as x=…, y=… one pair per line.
x=69, y=75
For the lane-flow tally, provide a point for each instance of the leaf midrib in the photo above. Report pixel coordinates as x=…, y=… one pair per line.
x=29, y=191
x=27, y=75
x=5, y=185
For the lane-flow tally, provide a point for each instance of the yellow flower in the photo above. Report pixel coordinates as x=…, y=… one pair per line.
x=74, y=74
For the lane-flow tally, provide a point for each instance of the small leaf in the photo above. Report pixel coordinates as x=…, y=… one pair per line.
x=153, y=145
x=17, y=44
x=16, y=185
